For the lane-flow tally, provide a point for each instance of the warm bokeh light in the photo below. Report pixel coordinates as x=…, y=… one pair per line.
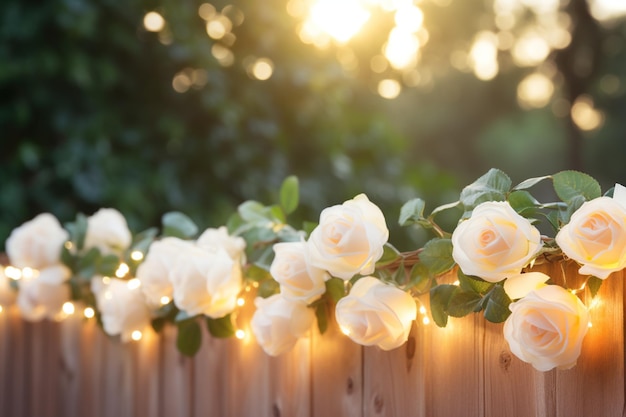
x=207, y=11
x=484, y=55
x=240, y=334
x=89, y=312
x=153, y=22
x=530, y=49
x=136, y=335
x=341, y=20
x=165, y=300
x=261, y=69
x=13, y=273
x=136, y=255
x=133, y=284
x=122, y=270
x=401, y=48
x=389, y=88
x=181, y=82
x=607, y=9
x=535, y=91
x=224, y=56
x=585, y=115
x=68, y=308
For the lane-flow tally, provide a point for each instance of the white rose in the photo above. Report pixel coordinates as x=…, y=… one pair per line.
x=278, y=323
x=37, y=243
x=546, y=328
x=495, y=242
x=375, y=313
x=206, y=282
x=154, y=271
x=213, y=239
x=108, y=231
x=349, y=239
x=299, y=281
x=43, y=295
x=7, y=293
x=596, y=237
x=122, y=307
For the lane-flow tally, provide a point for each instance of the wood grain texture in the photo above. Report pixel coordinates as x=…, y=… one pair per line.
x=464, y=370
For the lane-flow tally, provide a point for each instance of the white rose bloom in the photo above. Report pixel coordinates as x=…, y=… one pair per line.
x=37, y=243
x=206, y=282
x=43, y=295
x=349, y=239
x=495, y=242
x=375, y=313
x=546, y=328
x=213, y=239
x=154, y=271
x=278, y=323
x=7, y=293
x=299, y=281
x=122, y=307
x=108, y=231
x=596, y=237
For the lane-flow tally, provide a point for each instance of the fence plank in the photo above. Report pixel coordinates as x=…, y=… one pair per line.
x=209, y=377
x=337, y=374
x=145, y=356
x=393, y=380
x=177, y=378
x=5, y=359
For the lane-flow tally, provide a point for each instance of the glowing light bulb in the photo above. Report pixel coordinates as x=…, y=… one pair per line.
x=426, y=321
x=13, y=273
x=136, y=255
x=165, y=299
x=133, y=284
x=136, y=335
x=153, y=22
x=422, y=310
x=122, y=270
x=590, y=325
x=28, y=272
x=241, y=301
x=68, y=308
x=1, y=309
x=240, y=334
x=89, y=312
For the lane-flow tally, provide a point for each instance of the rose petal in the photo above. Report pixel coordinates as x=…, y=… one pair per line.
x=518, y=286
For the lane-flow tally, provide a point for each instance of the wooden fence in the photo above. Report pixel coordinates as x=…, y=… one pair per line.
x=72, y=369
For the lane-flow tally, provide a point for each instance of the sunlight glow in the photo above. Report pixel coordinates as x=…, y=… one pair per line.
x=401, y=48
x=153, y=22
x=585, y=115
x=535, y=91
x=530, y=49
x=261, y=69
x=389, y=89
x=339, y=19
x=484, y=56
x=607, y=9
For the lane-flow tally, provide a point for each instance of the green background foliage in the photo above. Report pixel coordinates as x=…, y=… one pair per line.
x=89, y=117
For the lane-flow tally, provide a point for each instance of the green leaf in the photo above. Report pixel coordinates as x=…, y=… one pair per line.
x=268, y=288
x=78, y=230
x=570, y=184
x=444, y=207
x=412, y=212
x=321, y=314
x=574, y=204
x=257, y=273
x=530, y=182
x=523, y=202
x=594, y=284
x=158, y=324
x=308, y=227
x=107, y=265
x=475, y=284
x=493, y=186
x=335, y=288
x=183, y=316
x=253, y=211
x=497, y=305
x=143, y=240
x=463, y=303
x=289, y=194
x=179, y=225
x=277, y=214
x=234, y=223
x=390, y=255
x=189, y=337
x=222, y=327
x=399, y=276
x=419, y=278
x=437, y=256
x=439, y=299
x=86, y=264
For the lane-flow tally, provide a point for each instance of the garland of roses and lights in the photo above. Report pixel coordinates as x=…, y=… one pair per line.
x=345, y=262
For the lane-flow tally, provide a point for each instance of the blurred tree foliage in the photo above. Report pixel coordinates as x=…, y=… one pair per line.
x=90, y=119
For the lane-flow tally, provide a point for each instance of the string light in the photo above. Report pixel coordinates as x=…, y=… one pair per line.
x=1, y=309
x=13, y=273
x=345, y=330
x=240, y=334
x=69, y=245
x=136, y=335
x=68, y=308
x=29, y=273
x=136, y=255
x=106, y=280
x=241, y=301
x=165, y=299
x=122, y=270
x=426, y=320
x=133, y=284
x=89, y=312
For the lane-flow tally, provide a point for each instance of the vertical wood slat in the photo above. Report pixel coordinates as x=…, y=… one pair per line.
x=463, y=370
